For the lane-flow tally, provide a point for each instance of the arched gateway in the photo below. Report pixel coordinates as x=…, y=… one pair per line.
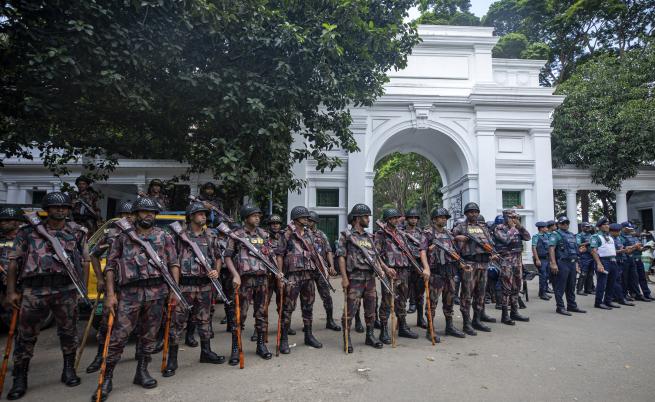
x=483, y=122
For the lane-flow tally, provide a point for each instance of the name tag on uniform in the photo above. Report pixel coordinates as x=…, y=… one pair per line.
x=475, y=230
x=257, y=241
x=364, y=243
x=7, y=244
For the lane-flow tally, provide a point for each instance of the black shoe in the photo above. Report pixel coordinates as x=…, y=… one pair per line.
x=171, y=362
x=371, y=340
x=602, y=306
x=404, y=331
x=451, y=330
x=581, y=293
x=485, y=318
x=576, y=310
x=68, y=375
x=350, y=344
x=291, y=331
x=359, y=328
x=142, y=376
x=649, y=298
x=629, y=298
x=190, y=338
x=411, y=309
x=544, y=297
x=640, y=297
x=466, y=326
x=477, y=324
x=562, y=311
x=262, y=350
x=310, y=340
x=505, y=319
x=97, y=361
x=106, y=387
x=19, y=386
x=330, y=324
x=234, y=355
x=420, y=319
x=612, y=304
x=626, y=303
x=253, y=337
x=384, y=334
x=516, y=316
x=207, y=355
x=521, y=304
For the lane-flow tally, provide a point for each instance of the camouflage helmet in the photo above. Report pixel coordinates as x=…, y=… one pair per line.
x=125, y=207
x=481, y=219
x=56, y=199
x=248, y=210
x=145, y=204
x=299, y=212
x=389, y=213
x=412, y=213
x=194, y=207
x=439, y=212
x=155, y=182
x=11, y=214
x=208, y=185
x=83, y=178
x=360, y=210
x=275, y=218
x=313, y=216
x=471, y=206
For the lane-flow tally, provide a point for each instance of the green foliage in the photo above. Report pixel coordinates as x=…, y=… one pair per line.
x=510, y=46
x=447, y=12
x=221, y=85
x=607, y=121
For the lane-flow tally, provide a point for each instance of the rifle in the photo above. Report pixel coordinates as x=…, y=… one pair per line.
x=153, y=259
x=200, y=259
x=167, y=332
x=402, y=246
x=238, y=323
x=319, y=262
x=10, y=338
x=454, y=255
x=370, y=261
x=88, y=207
x=60, y=255
x=105, y=350
x=345, y=319
x=222, y=214
x=253, y=250
x=487, y=247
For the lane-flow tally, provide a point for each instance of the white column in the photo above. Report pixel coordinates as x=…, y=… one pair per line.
x=12, y=192
x=572, y=209
x=486, y=172
x=621, y=206
x=543, y=203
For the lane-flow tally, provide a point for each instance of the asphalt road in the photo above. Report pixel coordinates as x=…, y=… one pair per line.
x=598, y=356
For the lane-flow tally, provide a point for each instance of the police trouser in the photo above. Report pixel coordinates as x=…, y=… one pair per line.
x=641, y=274
x=565, y=283
x=618, y=293
x=586, y=278
x=544, y=272
x=605, y=281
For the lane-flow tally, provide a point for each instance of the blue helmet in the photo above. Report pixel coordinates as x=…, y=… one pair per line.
x=500, y=219
x=493, y=272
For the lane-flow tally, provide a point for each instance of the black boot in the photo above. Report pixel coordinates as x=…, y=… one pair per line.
x=506, y=318
x=142, y=376
x=159, y=346
x=106, y=387
x=284, y=341
x=171, y=362
x=428, y=335
x=579, y=286
x=359, y=328
x=521, y=303
x=412, y=308
x=499, y=298
x=477, y=324
x=384, y=334
x=207, y=355
x=451, y=330
x=190, y=339
x=19, y=387
x=420, y=319
x=253, y=337
x=310, y=340
x=485, y=318
x=350, y=344
x=330, y=324
x=97, y=361
x=371, y=340
x=466, y=326
x=514, y=314
x=404, y=331
x=68, y=375
x=234, y=355
x=262, y=350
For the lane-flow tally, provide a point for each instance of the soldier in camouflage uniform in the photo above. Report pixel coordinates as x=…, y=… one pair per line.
x=155, y=193
x=10, y=220
x=274, y=234
x=357, y=276
x=100, y=248
x=296, y=264
x=416, y=287
x=196, y=287
x=474, y=282
x=322, y=245
x=509, y=237
x=443, y=269
x=208, y=194
x=137, y=292
x=81, y=213
x=46, y=287
x=251, y=276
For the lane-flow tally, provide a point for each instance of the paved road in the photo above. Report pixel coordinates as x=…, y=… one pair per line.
x=599, y=356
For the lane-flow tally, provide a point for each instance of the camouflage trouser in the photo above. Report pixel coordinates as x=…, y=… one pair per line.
x=145, y=316
x=416, y=287
x=228, y=288
x=473, y=287
x=272, y=288
x=442, y=283
x=102, y=327
x=401, y=293
x=34, y=309
x=323, y=291
x=200, y=299
x=361, y=287
x=303, y=286
x=254, y=291
x=510, y=279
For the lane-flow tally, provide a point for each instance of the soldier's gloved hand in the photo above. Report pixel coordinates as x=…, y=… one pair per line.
x=13, y=300
x=213, y=274
x=345, y=282
x=236, y=280
x=111, y=302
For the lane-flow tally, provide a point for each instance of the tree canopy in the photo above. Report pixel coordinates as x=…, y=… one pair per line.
x=447, y=12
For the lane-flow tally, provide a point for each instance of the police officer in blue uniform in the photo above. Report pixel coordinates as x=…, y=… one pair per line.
x=622, y=256
x=604, y=253
x=551, y=225
x=540, y=244
x=637, y=276
x=563, y=253
x=587, y=267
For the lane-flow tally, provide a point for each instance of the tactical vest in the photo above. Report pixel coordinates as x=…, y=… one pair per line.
x=296, y=258
x=417, y=234
x=133, y=264
x=606, y=248
x=354, y=258
x=438, y=256
x=391, y=253
x=542, y=245
x=246, y=263
x=189, y=265
x=567, y=248
x=40, y=257
x=471, y=248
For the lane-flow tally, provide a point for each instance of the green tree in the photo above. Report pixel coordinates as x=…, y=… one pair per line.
x=221, y=85
x=447, y=12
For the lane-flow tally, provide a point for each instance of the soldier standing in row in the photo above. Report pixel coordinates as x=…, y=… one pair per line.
x=249, y=275
x=10, y=220
x=137, y=292
x=274, y=234
x=196, y=287
x=322, y=245
x=156, y=194
x=46, y=287
x=85, y=204
x=294, y=261
x=638, y=283
x=208, y=195
x=416, y=286
x=357, y=276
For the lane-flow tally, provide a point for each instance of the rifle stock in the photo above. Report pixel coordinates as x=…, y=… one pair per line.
x=222, y=214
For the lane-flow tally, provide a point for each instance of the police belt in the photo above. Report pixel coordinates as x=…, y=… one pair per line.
x=144, y=283
x=542, y=257
x=610, y=258
x=477, y=258
x=46, y=281
x=568, y=259
x=194, y=281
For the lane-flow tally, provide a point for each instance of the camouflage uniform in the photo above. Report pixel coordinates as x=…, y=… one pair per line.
x=162, y=200
x=81, y=214
x=394, y=258
x=6, y=247
x=509, y=244
x=322, y=245
x=416, y=285
x=141, y=290
x=102, y=246
x=442, y=271
x=273, y=240
x=47, y=287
